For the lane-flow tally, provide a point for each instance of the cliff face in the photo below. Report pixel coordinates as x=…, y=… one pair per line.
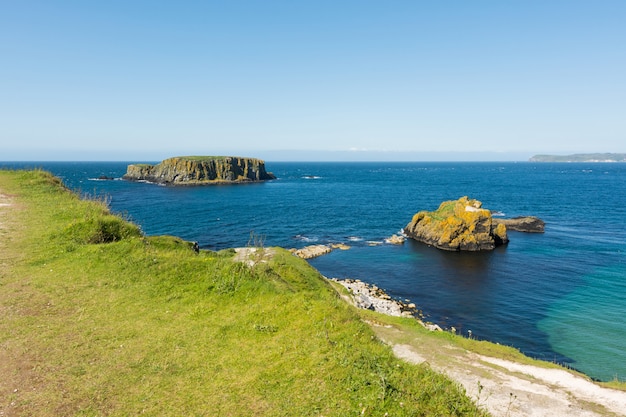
x=457, y=225
x=200, y=170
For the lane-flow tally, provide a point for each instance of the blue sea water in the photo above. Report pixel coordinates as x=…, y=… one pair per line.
x=558, y=296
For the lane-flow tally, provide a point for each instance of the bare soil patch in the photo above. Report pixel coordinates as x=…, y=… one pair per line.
x=253, y=255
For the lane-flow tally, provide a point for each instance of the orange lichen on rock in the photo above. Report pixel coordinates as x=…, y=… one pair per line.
x=457, y=225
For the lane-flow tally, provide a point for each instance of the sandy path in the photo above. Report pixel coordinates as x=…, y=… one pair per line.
x=507, y=388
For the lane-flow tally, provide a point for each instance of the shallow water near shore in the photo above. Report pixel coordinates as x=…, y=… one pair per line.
x=558, y=296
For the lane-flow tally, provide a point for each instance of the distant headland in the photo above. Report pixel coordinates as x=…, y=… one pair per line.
x=581, y=157
x=200, y=170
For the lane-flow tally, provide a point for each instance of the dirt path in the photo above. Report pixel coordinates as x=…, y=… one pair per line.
x=13, y=368
x=5, y=205
x=508, y=388
x=5, y=201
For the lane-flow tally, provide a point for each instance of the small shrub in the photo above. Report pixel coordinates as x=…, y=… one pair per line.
x=101, y=229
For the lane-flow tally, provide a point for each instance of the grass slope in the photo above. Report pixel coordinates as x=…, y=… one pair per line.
x=96, y=319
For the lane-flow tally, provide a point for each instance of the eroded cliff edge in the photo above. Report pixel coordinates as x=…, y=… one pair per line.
x=199, y=170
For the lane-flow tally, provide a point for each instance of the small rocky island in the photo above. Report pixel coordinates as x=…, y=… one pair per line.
x=463, y=225
x=457, y=225
x=200, y=170
x=528, y=224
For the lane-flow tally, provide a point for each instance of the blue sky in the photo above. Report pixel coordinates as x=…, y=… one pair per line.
x=127, y=80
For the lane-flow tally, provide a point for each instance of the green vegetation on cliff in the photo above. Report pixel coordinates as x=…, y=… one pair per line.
x=582, y=157
x=98, y=319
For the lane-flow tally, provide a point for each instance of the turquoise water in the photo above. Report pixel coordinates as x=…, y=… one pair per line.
x=594, y=332
x=558, y=296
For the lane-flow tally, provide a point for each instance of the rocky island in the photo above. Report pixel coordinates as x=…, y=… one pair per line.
x=457, y=225
x=200, y=170
x=528, y=224
x=463, y=225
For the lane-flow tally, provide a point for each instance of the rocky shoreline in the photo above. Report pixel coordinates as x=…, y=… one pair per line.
x=362, y=295
x=370, y=297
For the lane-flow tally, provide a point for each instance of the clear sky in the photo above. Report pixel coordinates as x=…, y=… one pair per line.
x=128, y=80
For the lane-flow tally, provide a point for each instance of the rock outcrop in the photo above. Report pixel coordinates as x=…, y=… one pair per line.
x=458, y=225
x=395, y=239
x=312, y=251
x=370, y=297
x=198, y=170
x=528, y=224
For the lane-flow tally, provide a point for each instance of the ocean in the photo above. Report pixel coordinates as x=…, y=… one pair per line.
x=558, y=296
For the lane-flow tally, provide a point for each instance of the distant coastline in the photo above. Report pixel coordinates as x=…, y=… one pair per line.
x=581, y=157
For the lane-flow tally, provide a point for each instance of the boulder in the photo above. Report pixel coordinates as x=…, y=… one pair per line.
x=198, y=170
x=529, y=224
x=457, y=225
x=312, y=251
x=395, y=239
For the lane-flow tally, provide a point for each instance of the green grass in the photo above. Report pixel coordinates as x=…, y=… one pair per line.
x=208, y=158
x=201, y=158
x=444, y=211
x=100, y=320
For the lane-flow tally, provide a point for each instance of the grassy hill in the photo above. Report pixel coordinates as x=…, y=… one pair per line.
x=97, y=319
